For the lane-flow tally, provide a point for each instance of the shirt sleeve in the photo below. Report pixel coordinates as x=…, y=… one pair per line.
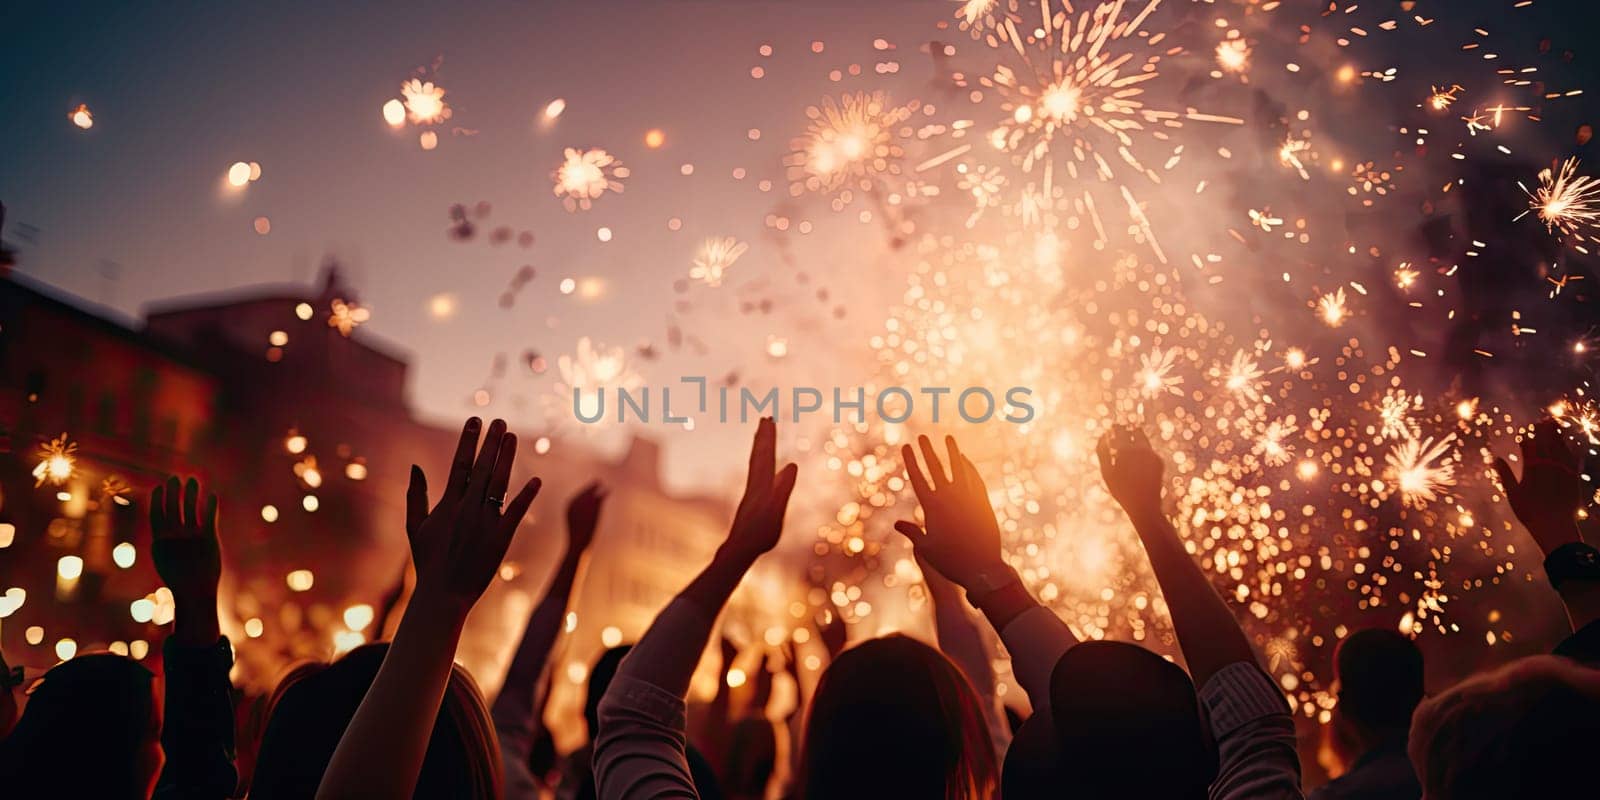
x=1583, y=646
x=641, y=751
x=197, y=732
x=1036, y=640
x=1255, y=736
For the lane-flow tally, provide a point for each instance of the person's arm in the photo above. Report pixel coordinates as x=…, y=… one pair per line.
x=1249, y=717
x=962, y=542
x=515, y=712
x=963, y=641
x=197, y=729
x=457, y=548
x=1546, y=501
x=639, y=752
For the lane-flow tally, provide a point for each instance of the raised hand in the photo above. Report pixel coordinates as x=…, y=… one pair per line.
x=583, y=514
x=1551, y=491
x=834, y=634
x=187, y=556
x=1131, y=469
x=458, y=545
x=758, y=522
x=962, y=539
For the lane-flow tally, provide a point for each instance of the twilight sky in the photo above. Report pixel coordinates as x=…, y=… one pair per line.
x=137, y=208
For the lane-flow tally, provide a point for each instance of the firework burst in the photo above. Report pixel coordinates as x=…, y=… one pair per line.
x=1420, y=470
x=585, y=175
x=715, y=257
x=58, y=460
x=855, y=138
x=590, y=373
x=1565, y=201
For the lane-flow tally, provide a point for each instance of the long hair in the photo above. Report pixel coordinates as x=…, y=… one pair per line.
x=892, y=717
x=1531, y=723
x=91, y=729
x=309, y=716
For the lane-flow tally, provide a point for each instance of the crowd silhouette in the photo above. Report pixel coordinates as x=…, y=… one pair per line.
x=890, y=717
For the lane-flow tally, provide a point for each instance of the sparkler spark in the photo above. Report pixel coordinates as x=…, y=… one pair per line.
x=1566, y=201
x=1155, y=376
x=585, y=175
x=1233, y=55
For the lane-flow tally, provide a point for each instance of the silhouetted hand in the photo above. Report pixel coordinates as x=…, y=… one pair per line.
x=834, y=634
x=187, y=556
x=962, y=539
x=183, y=540
x=758, y=523
x=761, y=693
x=459, y=544
x=583, y=514
x=1131, y=469
x=1551, y=491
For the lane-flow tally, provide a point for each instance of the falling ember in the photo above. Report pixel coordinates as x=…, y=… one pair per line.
x=852, y=138
x=1414, y=473
x=654, y=138
x=428, y=140
x=715, y=257
x=394, y=113
x=1332, y=309
x=1564, y=200
x=424, y=102
x=82, y=117
x=57, y=461
x=585, y=175
x=239, y=174
x=554, y=108
x=347, y=316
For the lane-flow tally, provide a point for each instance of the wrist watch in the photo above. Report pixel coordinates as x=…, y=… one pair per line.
x=1573, y=561
x=989, y=580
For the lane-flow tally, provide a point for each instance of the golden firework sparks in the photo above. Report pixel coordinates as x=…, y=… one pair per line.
x=1405, y=276
x=1155, y=376
x=853, y=138
x=585, y=175
x=1440, y=98
x=1270, y=445
x=1394, y=414
x=1242, y=376
x=1565, y=201
x=58, y=459
x=716, y=255
x=1420, y=469
x=1332, y=309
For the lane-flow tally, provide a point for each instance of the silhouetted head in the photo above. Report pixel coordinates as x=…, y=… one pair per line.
x=91, y=728
x=892, y=717
x=1526, y=729
x=1380, y=683
x=1121, y=722
x=309, y=717
x=605, y=668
